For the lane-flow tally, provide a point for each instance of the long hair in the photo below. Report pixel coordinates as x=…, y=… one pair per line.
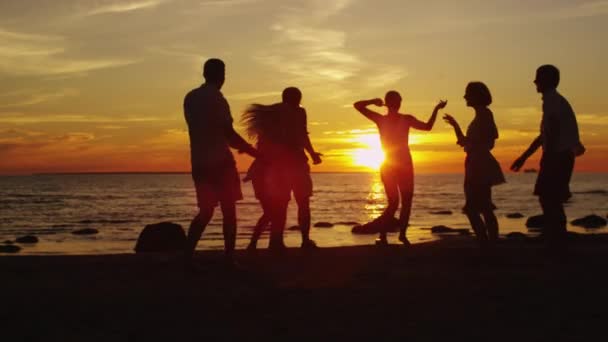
x=261, y=121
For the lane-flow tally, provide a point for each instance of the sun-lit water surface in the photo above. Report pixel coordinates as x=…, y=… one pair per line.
x=119, y=206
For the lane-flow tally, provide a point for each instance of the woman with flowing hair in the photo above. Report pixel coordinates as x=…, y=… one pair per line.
x=282, y=137
x=482, y=171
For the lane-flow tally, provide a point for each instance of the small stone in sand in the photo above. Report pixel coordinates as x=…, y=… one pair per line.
x=515, y=215
x=85, y=231
x=591, y=221
x=27, y=239
x=535, y=222
x=323, y=225
x=442, y=212
x=445, y=230
x=9, y=249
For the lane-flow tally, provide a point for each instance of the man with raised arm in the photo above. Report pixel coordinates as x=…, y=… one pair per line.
x=559, y=138
x=214, y=172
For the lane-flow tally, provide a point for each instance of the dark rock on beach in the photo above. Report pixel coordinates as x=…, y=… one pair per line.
x=442, y=212
x=294, y=228
x=447, y=230
x=161, y=237
x=515, y=215
x=9, y=249
x=590, y=222
x=323, y=225
x=8, y=242
x=27, y=239
x=85, y=231
x=535, y=222
x=375, y=226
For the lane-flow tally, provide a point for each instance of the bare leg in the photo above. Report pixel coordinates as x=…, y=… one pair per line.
x=478, y=226
x=262, y=223
x=491, y=224
x=391, y=189
x=197, y=226
x=277, y=225
x=304, y=221
x=229, y=227
x=555, y=221
x=407, y=194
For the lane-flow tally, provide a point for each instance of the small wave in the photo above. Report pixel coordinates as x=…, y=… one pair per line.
x=592, y=192
x=105, y=221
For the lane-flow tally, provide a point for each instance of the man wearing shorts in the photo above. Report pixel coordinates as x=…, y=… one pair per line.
x=291, y=172
x=559, y=138
x=214, y=172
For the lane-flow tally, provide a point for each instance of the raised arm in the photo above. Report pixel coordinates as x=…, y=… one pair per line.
x=361, y=106
x=427, y=126
x=461, y=138
x=519, y=162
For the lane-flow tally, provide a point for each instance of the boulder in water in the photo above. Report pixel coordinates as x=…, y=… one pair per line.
x=9, y=248
x=514, y=215
x=27, y=239
x=85, y=231
x=535, y=222
x=590, y=222
x=442, y=212
x=441, y=229
x=323, y=225
x=161, y=237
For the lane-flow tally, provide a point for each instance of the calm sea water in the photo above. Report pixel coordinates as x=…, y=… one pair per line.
x=120, y=205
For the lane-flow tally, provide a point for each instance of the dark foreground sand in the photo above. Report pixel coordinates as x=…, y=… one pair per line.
x=444, y=290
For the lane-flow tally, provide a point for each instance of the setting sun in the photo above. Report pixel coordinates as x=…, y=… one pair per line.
x=370, y=154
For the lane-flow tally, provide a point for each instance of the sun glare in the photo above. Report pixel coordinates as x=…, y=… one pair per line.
x=370, y=155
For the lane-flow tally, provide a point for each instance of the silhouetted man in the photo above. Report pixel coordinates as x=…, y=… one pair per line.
x=213, y=166
x=560, y=141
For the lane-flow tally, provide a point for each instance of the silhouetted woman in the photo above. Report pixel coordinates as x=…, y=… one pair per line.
x=397, y=171
x=282, y=138
x=482, y=171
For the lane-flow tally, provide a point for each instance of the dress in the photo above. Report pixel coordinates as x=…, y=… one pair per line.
x=482, y=170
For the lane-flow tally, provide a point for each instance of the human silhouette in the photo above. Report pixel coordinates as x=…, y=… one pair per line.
x=282, y=137
x=482, y=171
x=397, y=171
x=560, y=141
x=214, y=172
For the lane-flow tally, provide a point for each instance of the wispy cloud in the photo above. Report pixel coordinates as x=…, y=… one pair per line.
x=33, y=97
x=22, y=118
x=33, y=54
x=124, y=7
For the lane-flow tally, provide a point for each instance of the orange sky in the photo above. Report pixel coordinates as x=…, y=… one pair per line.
x=97, y=86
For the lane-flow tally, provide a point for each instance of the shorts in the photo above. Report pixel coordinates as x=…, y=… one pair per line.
x=283, y=179
x=217, y=185
x=553, y=179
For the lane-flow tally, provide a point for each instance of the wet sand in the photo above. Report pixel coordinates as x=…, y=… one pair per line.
x=446, y=290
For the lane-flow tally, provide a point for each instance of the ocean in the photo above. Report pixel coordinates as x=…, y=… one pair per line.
x=120, y=205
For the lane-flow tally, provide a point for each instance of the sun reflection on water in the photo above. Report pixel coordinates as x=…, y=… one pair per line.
x=376, y=202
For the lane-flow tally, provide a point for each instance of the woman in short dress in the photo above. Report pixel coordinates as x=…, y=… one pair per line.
x=482, y=171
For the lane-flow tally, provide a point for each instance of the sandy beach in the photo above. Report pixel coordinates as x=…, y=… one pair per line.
x=439, y=290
